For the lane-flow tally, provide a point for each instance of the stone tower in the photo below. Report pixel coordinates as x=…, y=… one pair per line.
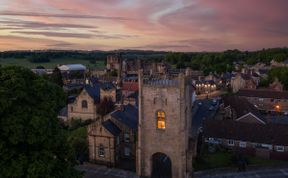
x=163, y=148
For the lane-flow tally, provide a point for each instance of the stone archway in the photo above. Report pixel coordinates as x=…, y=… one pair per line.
x=161, y=166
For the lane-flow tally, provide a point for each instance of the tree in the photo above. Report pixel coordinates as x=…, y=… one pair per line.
x=32, y=142
x=105, y=106
x=56, y=77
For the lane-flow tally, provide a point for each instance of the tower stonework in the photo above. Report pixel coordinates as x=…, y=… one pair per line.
x=164, y=127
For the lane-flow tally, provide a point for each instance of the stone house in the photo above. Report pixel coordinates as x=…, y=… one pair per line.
x=116, y=134
x=113, y=62
x=241, y=81
x=266, y=100
x=84, y=106
x=103, y=142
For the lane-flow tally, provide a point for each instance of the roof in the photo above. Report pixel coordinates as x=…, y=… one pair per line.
x=107, y=86
x=72, y=67
x=228, y=129
x=111, y=127
x=241, y=109
x=94, y=92
x=262, y=93
x=130, y=86
x=128, y=116
x=63, y=112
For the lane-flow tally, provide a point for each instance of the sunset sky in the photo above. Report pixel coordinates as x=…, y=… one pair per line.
x=177, y=25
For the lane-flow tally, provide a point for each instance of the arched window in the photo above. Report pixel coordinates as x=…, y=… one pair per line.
x=101, y=151
x=161, y=120
x=84, y=104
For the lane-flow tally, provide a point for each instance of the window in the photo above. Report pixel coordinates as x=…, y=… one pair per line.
x=280, y=148
x=101, y=151
x=71, y=108
x=117, y=140
x=161, y=120
x=231, y=142
x=242, y=144
x=126, y=137
x=84, y=104
x=127, y=151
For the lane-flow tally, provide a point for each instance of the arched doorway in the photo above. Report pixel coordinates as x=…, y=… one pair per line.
x=161, y=166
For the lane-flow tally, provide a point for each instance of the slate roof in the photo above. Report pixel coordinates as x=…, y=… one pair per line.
x=241, y=106
x=111, y=127
x=94, y=92
x=107, y=86
x=228, y=129
x=128, y=116
x=263, y=93
x=130, y=86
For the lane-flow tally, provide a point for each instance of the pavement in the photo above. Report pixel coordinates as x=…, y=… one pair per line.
x=261, y=173
x=97, y=171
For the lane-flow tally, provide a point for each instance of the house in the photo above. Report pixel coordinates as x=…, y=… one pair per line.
x=241, y=81
x=73, y=73
x=84, y=106
x=207, y=86
x=265, y=140
x=276, y=85
x=113, y=62
x=130, y=85
x=113, y=139
x=246, y=111
x=266, y=100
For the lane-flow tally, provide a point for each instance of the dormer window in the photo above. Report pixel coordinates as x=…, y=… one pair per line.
x=161, y=120
x=84, y=104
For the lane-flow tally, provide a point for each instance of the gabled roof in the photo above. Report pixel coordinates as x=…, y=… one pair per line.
x=228, y=129
x=94, y=92
x=128, y=116
x=242, y=106
x=263, y=93
x=111, y=127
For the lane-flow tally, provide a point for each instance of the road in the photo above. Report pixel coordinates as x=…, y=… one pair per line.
x=268, y=173
x=96, y=171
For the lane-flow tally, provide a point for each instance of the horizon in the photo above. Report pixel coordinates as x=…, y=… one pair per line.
x=170, y=26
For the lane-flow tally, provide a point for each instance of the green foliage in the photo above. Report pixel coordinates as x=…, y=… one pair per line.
x=56, y=77
x=113, y=73
x=281, y=73
x=32, y=142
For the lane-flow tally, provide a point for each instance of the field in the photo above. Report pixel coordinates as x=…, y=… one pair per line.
x=52, y=64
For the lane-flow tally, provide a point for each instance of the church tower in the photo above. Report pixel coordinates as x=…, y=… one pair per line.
x=164, y=127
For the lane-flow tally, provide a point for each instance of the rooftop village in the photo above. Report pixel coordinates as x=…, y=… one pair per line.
x=134, y=111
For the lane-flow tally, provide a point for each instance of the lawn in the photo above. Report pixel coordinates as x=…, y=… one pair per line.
x=224, y=158
x=52, y=64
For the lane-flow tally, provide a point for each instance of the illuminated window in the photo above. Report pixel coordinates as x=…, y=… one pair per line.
x=161, y=120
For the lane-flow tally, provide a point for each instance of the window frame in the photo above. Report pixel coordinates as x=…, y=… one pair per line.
x=84, y=104
x=242, y=144
x=280, y=150
x=230, y=142
x=101, y=151
x=160, y=117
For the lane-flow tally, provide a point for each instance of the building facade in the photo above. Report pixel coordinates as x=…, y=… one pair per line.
x=164, y=127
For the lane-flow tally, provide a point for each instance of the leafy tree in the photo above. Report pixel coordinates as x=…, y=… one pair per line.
x=105, y=106
x=32, y=142
x=56, y=77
